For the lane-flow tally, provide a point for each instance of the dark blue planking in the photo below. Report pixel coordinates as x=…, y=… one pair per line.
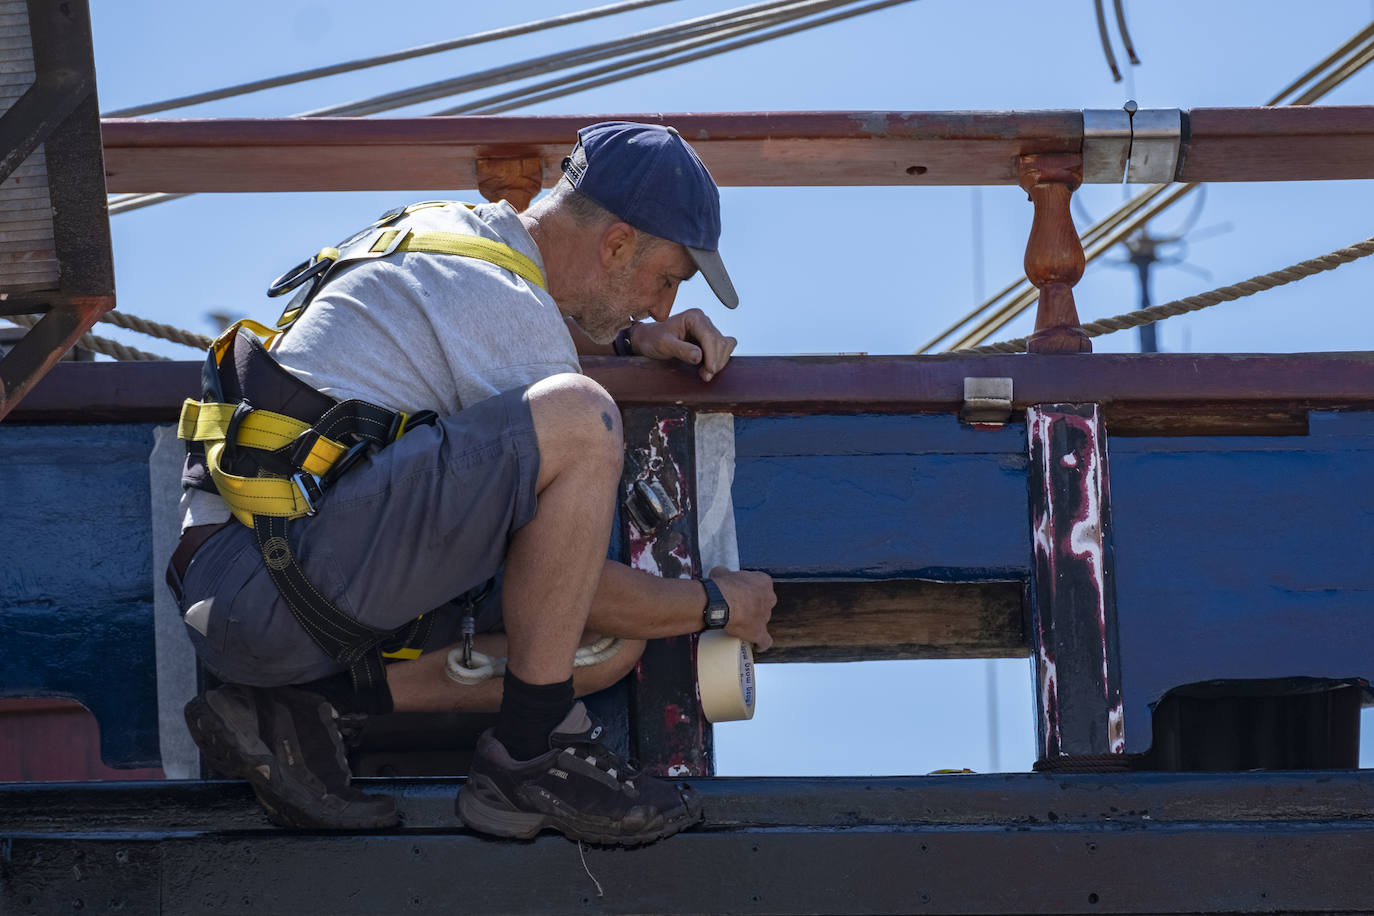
x=881, y=497
x=76, y=599
x=1246, y=557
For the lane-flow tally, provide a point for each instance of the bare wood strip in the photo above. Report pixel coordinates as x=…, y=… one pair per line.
x=896, y=619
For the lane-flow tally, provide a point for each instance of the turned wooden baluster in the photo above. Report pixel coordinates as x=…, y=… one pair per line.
x=1054, y=255
x=512, y=178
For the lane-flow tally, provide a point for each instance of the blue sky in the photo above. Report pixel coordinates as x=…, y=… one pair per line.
x=216, y=253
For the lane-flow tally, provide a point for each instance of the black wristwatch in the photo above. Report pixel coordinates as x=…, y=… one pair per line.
x=717, y=613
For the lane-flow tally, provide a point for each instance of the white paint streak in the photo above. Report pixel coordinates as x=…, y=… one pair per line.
x=715, y=463
x=679, y=769
x=1049, y=696
x=1038, y=430
x=1085, y=537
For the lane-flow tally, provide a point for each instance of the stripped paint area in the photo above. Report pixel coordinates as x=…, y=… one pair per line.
x=669, y=734
x=664, y=551
x=1079, y=681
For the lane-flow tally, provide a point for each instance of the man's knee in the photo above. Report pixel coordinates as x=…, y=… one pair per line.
x=575, y=420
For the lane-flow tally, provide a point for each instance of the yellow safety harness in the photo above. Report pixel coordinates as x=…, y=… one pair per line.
x=271, y=446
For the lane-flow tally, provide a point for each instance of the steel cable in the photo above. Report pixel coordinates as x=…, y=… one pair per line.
x=380, y=59
x=720, y=27
x=518, y=98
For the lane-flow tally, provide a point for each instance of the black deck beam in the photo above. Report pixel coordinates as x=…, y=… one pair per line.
x=1017, y=843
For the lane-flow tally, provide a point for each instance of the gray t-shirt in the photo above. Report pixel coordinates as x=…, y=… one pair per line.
x=416, y=331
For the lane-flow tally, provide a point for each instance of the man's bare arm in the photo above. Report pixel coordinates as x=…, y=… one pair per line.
x=634, y=604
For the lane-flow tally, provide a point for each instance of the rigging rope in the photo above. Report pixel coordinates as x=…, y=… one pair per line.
x=380, y=59
x=1093, y=328
x=1203, y=300
x=92, y=342
x=717, y=27
x=659, y=62
x=1356, y=53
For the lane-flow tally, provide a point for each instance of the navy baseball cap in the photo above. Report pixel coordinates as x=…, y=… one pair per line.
x=649, y=177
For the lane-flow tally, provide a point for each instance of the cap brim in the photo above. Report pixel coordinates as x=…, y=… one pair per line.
x=713, y=269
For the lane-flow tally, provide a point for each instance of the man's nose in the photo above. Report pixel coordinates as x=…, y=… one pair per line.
x=664, y=306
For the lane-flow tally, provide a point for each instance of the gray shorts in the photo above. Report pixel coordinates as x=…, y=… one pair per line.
x=403, y=533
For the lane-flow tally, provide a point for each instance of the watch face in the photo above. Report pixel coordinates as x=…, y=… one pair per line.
x=717, y=613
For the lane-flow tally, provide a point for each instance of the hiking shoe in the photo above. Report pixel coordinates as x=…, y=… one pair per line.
x=285, y=742
x=579, y=788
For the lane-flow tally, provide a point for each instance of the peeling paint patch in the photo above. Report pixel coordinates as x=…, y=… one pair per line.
x=1079, y=681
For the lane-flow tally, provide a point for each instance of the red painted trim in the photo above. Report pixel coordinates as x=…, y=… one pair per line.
x=1168, y=383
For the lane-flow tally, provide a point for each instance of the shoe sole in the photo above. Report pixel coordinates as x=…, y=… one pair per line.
x=523, y=825
x=226, y=756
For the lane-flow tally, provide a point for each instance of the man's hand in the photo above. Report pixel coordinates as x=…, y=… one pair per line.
x=687, y=336
x=750, y=596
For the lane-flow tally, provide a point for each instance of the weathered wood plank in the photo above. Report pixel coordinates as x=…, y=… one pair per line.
x=841, y=148
x=1278, y=144
x=755, y=149
x=897, y=619
x=1068, y=844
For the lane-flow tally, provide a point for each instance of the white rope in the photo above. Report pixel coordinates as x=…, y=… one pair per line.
x=380, y=59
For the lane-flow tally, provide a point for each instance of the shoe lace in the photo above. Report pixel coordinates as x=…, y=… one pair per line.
x=606, y=760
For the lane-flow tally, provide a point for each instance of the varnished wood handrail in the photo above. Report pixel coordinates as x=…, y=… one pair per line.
x=880, y=148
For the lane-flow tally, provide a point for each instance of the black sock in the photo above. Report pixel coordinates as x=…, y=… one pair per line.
x=530, y=713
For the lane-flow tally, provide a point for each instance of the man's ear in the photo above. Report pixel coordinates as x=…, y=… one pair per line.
x=618, y=244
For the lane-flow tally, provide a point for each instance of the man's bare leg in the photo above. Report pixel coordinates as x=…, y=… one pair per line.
x=544, y=765
x=555, y=561
x=422, y=686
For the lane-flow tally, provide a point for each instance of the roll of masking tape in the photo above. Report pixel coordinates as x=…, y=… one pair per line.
x=725, y=677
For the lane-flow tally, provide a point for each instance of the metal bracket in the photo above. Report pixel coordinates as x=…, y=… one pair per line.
x=1138, y=146
x=1156, y=136
x=1106, y=145
x=986, y=400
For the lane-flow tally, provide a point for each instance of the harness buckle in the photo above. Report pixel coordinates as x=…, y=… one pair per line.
x=397, y=238
x=346, y=461
x=308, y=269
x=311, y=488
x=299, y=449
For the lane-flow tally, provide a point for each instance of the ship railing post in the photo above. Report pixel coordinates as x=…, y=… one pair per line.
x=515, y=179
x=1073, y=595
x=1054, y=255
